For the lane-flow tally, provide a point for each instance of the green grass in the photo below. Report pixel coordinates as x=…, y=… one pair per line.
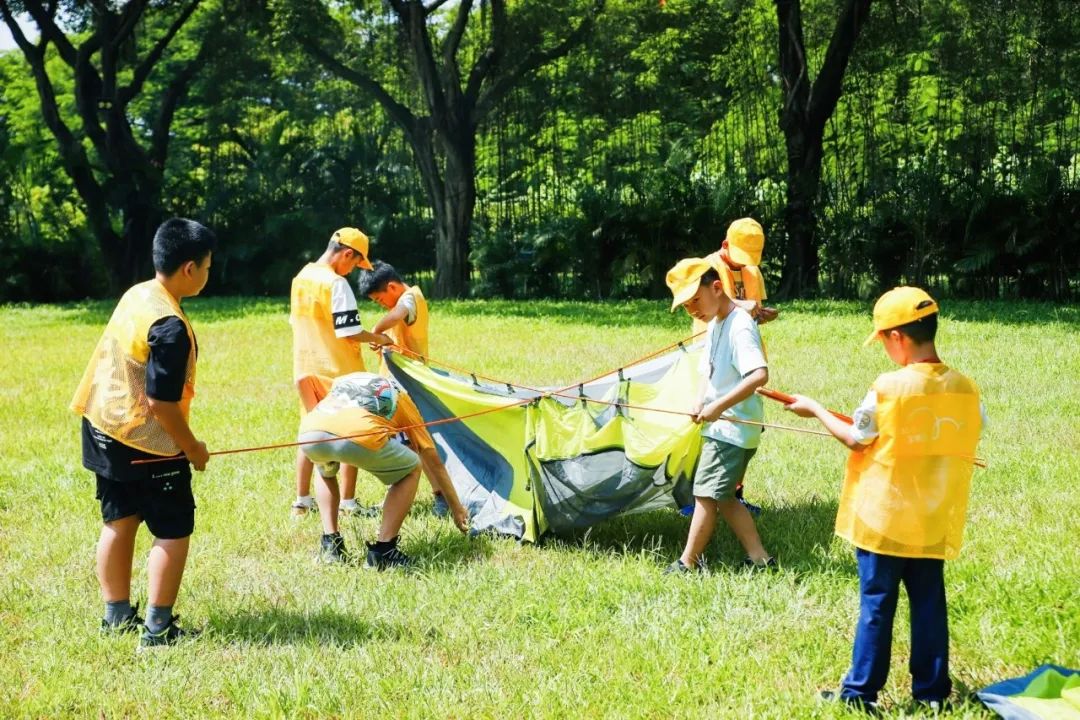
x=582, y=626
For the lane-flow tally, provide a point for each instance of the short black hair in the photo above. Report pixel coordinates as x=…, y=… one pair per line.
x=179, y=240
x=921, y=331
x=709, y=277
x=377, y=278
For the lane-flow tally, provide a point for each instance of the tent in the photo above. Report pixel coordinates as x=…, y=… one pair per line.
x=1049, y=692
x=525, y=462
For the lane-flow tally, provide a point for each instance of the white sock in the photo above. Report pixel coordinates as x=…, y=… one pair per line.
x=305, y=500
x=348, y=503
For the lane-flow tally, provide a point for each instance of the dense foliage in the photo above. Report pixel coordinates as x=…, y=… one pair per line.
x=952, y=158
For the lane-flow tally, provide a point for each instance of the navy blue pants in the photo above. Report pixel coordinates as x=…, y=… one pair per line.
x=879, y=587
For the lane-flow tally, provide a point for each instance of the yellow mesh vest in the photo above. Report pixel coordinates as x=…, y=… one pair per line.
x=906, y=494
x=337, y=418
x=112, y=393
x=316, y=349
x=415, y=336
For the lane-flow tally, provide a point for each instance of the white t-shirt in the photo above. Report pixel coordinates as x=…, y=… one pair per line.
x=864, y=426
x=733, y=351
x=343, y=309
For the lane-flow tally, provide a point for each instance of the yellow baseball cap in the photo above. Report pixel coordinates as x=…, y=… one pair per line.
x=350, y=237
x=745, y=240
x=684, y=279
x=900, y=306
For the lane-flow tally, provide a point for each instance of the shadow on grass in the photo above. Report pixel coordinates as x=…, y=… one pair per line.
x=434, y=544
x=283, y=626
x=799, y=535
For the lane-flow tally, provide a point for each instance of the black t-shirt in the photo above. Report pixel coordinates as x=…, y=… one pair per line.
x=166, y=370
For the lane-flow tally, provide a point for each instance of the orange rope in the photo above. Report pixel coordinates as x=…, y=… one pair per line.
x=561, y=392
x=277, y=446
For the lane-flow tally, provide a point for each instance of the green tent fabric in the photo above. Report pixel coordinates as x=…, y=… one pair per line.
x=1049, y=693
x=557, y=464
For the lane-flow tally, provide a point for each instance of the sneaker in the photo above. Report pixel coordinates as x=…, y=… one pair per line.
x=300, y=509
x=439, y=507
x=678, y=568
x=171, y=634
x=332, y=550
x=358, y=510
x=753, y=509
x=129, y=624
x=833, y=696
x=386, y=559
x=769, y=564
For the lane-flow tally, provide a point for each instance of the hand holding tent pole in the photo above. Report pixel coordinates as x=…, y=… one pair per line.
x=788, y=399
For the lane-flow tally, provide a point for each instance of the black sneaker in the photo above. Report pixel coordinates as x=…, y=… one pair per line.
x=169, y=635
x=679, y=568
x=332, y=550
x=385, y=559
x=769, y=564
x=831, y=696
x=131, y=623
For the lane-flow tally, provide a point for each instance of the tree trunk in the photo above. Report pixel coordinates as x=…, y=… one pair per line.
x=800, y=274
x=455, y=223
x=808, y=105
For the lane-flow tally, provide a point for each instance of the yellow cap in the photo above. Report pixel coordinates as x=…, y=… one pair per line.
x=900, y=306
x=350, y=237
x=745, y=240
x=684, y=279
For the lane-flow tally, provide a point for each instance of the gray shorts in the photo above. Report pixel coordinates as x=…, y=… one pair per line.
x=390, y=463
x=721, y=468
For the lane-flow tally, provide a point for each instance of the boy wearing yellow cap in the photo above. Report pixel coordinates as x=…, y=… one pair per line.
x=327, y=335
x=905, y=496
x=737, y=263
x=733, y=367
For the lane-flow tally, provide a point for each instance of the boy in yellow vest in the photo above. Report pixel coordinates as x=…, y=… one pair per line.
x=134, y=400
x=905, y=496
x=732, y=368
x=358, y=423
x=406, y=322
x=406, y=319
x=737, y=262
x=327, y=336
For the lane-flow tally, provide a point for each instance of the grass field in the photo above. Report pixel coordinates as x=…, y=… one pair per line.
x=583, y=626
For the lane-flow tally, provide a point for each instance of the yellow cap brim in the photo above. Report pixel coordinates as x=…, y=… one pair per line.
x=684, y=294
x=366, y=264
x=874, y=337
x=741, y=257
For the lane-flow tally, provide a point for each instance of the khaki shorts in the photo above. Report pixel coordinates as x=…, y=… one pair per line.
x=721, y=468
x=390, y=463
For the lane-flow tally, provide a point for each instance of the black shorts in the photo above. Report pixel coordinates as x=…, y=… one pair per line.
x=163, y=499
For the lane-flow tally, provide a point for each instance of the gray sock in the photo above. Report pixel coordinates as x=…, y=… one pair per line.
x=117, y=611
x=158, y=617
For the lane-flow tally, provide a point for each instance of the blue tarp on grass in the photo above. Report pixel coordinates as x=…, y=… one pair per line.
x=1049, y=692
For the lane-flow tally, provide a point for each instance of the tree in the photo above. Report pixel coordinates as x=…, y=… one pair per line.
x=441, y=128
x=806, y=108
x=111, y=67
